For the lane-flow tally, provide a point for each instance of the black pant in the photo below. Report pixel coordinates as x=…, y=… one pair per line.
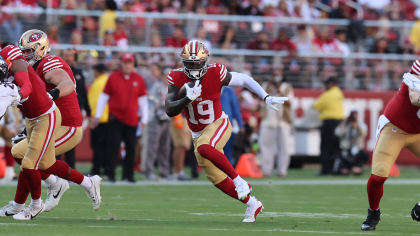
x=70, y=158
x=117, y=132
x=330, y=145
x=98, y=143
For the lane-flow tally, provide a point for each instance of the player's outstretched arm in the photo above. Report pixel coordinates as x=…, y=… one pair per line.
x=173, y=106
x=234, y=79
x=62, y=80
x=19, y=69
x=414, y=97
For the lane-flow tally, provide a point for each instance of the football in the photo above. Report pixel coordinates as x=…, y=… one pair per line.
x=183, y=92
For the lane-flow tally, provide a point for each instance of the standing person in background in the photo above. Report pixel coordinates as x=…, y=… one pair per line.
x=99, y=133
x=230, y=105
x=127, y=95
x=331, y=112
x=107, y=19
x=158, y=141
x=271, y=139
x=70, y=57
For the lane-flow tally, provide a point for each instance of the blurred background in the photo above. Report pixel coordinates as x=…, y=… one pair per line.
x=295, y=48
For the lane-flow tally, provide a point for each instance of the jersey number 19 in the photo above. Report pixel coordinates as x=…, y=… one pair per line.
x=200, y=109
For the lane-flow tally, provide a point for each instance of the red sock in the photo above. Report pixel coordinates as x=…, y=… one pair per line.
x=375, y=190
x=62, y=169
x=10, y=160
x=228, y=187
x=218, y=159
x=44, y=175
x=34, y=180
x=23, y=189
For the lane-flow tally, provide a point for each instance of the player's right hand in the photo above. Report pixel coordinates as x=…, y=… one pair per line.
x=194, y=92
x=18, y=138
x=275, y=100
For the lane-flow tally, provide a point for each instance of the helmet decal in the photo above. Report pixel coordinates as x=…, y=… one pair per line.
x=35, y=37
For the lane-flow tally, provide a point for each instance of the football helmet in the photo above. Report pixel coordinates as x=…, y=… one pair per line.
x=36, y=41
x=194, y=58
x=4, y=70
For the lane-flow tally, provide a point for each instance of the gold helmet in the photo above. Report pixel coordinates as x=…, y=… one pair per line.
x=194, y=58
x=37, y=42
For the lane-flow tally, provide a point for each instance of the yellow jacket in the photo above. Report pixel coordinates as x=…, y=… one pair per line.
x=107, y=21
x=95, y=90
x=415, y=35
x=330, y=104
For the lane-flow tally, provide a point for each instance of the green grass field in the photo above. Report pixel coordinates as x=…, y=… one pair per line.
x=299, y=204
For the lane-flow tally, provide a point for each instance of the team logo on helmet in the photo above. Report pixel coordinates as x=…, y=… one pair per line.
x=35, y=37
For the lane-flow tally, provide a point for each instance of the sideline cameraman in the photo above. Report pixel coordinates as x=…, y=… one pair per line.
x=352, y=134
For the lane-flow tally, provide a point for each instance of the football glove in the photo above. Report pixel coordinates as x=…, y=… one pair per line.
x=275, y=100
x=10, y=90
x=194, y=92
x=415, y=213
x=19, y=137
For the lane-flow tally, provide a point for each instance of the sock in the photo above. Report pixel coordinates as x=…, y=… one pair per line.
x=51, y=179
x=86, y=183
x=218, y=159
x=34, y=180
x=375, y=190
x=44, y=175
x=22, y=190
x=10, y=160
x=18, y=205
x=228, y=187
x=252, y=201
x=36, y=202
x=63, y=170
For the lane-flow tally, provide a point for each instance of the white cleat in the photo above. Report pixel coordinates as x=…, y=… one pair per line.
x=54, y=193
x=252, y=212
x=242, y=189
x=95, y=191
x=11, y=209
x=30, y=212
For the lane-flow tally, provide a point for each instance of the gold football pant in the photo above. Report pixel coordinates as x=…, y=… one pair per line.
x=66, y=139
x=215, y=134
x=391, y=140
x=40, y=141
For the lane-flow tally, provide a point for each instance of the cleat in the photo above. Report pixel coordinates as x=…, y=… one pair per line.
x=372, y=220
x=95, y=191
x=11, y=209
x=243, y=190
x=54, y=193
x=252, y=212
x=30, y=212
x=415, y=212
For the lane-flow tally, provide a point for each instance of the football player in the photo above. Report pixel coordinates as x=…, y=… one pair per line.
x=42, y=125
x=397, y=128
x=60, y=84
x=210, y=126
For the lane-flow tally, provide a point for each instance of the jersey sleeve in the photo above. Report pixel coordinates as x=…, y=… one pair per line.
x=222, y=71
x=49, y=64
x=11, y=53
x=174, y=78
x=108, y=85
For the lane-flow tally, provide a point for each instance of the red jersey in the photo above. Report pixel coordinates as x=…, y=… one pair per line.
x=402, y=113
x=124, y=92
x=38, y=102
x=207, y=108
x=68, y=105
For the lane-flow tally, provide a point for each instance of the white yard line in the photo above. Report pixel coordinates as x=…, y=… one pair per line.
x=260, y=182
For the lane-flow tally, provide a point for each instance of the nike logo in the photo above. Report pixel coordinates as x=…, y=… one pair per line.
x=36, y=214
x=38, y=120
x=56, y=196
x=7, y=214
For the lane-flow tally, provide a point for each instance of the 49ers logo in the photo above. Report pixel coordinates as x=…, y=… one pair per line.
x=35, y=37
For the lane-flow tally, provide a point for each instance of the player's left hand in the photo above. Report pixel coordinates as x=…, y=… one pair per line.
x=275, y=100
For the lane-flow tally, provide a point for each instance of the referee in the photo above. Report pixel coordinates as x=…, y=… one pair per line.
x=126, y=94
x=331, y=112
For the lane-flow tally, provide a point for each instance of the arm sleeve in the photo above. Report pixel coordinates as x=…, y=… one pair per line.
x=102, y=101
x=242, y=80
x=236, y=109
x=83, y=95
x=144, y=109
x=22, y=80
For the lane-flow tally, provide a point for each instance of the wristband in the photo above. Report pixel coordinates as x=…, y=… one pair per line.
x=266, y=97
x=55, y=93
